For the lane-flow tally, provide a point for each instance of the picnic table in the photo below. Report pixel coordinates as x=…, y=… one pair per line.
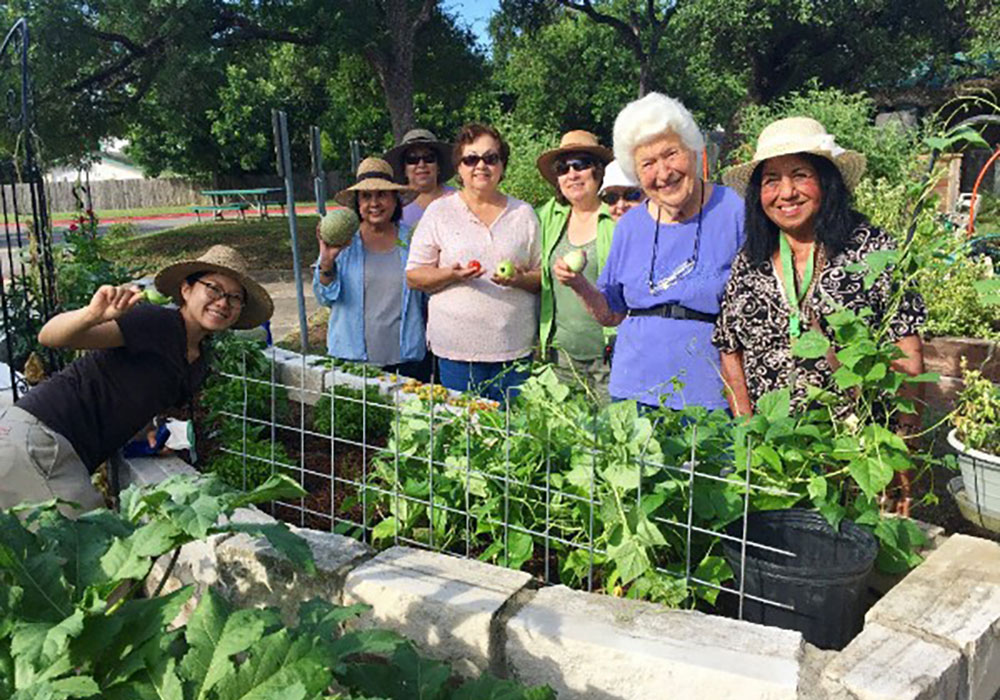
x=238, y=200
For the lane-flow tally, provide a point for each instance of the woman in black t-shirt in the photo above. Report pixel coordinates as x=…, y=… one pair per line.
x=146, y=359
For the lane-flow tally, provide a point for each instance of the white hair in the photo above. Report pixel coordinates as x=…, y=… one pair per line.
x=648, y=118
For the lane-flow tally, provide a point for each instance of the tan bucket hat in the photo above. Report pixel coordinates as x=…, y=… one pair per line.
x=797, y=135
x=421, y=137
x=258, y=306
x=373, y=174
x=577, y=141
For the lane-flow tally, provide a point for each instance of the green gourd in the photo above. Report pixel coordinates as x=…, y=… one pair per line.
x=338, y=227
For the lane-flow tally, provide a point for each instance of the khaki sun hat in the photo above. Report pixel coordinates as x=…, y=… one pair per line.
x=421, y=137
x=797, y=135
x=258, y=306
x=578, y=141
x=373, y=174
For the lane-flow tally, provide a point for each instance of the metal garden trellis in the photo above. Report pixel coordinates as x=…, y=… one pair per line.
x=27, y=271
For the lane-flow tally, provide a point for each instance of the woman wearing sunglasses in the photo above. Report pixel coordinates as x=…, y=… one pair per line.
x=668, y=263
x=144, y=360
x=618, y=191
x=374, y=316
x=477, y=255
x=424, y=164
x=574, y=221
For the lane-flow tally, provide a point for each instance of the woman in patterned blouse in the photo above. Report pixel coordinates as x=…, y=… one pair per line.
x=798, y=220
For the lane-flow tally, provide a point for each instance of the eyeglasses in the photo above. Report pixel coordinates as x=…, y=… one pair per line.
x=686, y=267
x=472, y=160
x=578, y=164
x=611, y=197
x=415, y=158
x=215, y=293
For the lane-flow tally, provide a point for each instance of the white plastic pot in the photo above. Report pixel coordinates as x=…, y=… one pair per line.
x=980, y=475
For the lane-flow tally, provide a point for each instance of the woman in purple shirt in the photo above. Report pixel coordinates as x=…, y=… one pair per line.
x=424, y=164
x=668, y=264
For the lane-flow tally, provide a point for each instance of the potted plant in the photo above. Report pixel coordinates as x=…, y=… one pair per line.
x=976, y=440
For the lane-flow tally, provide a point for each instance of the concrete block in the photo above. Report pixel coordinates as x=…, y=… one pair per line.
x=196, y=565
x=885, y=664
x=586, y=645
x=148, y=471
x=252, y=573
x=335, y=378
x=445, y=604
x=953, y=599
x=303, y=377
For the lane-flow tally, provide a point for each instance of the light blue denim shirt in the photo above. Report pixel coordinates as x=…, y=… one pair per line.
x=345, y=295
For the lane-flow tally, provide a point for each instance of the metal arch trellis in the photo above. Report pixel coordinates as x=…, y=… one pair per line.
x=27, y=267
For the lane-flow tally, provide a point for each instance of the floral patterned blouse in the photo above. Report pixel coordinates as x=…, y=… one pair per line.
x=755, y=314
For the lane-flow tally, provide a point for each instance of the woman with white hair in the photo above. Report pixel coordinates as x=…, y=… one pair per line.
x=668, y=265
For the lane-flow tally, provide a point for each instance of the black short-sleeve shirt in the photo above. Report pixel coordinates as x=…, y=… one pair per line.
x=104, y=398
x=754, y=316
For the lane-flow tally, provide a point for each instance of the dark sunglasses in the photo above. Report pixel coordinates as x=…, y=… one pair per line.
x=578, y=164
x=472, y=160
x=630, y=195
x=414, y=158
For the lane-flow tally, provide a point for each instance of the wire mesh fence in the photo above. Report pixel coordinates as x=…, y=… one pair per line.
x=625, y=501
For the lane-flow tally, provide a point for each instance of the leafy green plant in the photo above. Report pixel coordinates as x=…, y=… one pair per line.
x=72, y=626
x=977, y=412
x=245, y=465
x=357, y=416
x=83, y=264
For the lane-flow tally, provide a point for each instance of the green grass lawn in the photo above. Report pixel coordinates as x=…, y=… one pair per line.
x=149, y=211
x=265, y=244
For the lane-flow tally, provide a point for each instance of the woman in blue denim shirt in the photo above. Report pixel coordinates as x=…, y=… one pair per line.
x=374, y=316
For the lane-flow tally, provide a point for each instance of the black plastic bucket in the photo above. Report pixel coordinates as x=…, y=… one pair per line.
x=824, y=583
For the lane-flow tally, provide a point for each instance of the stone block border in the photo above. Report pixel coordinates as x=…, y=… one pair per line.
x=936, y=634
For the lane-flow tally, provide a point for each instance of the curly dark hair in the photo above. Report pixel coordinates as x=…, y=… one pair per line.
x=835, y=221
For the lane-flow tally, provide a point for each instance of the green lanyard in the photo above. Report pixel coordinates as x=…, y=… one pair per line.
x=788, y=276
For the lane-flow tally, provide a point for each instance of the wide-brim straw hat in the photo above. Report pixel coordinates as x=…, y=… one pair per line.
x=797, y=135
x=578, y=141
x=373, y=174
x=421, y=137
x=258, y=306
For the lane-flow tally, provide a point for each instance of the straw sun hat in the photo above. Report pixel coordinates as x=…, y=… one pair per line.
x=373, y=174
x=797, y=135
x=258, y=306
x=577, y=141
x=426, y=139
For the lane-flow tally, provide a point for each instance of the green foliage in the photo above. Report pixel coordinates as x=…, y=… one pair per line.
x=977, y=412
x=71, y=624
x=245, y=465
x=84, y=263
x=954, y=306
x=358, y=416
x=522, y=179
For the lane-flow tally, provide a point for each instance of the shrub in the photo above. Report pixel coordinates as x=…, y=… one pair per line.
x=522, y=179
x=248, y=465
x=355, y=420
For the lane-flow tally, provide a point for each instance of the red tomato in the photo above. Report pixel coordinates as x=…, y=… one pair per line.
x=475, y=265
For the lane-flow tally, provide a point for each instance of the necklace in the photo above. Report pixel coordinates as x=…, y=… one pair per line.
x=686, y=267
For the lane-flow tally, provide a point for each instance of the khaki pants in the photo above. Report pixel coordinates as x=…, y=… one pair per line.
x=38, y=464
x=578, y=375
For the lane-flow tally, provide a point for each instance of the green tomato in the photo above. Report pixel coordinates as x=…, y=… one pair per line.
x=154, y=297
x=575, y=260
x=506, y=270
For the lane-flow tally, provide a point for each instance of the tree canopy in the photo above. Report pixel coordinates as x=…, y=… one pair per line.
x=191, y=83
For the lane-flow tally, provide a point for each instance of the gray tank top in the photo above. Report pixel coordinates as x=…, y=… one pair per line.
x=383, y=306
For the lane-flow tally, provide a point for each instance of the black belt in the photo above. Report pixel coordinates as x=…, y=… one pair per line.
x=674, y=311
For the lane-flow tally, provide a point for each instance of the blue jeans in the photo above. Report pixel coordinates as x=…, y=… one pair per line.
x=492, y=380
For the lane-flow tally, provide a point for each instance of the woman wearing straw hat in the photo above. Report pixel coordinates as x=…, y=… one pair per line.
x=375, y=317
x=619, y=191
x=423, y=163
x=796, y=267
x=574, y=223
x=668, y=263
x=477, y=255
x=146, y=360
